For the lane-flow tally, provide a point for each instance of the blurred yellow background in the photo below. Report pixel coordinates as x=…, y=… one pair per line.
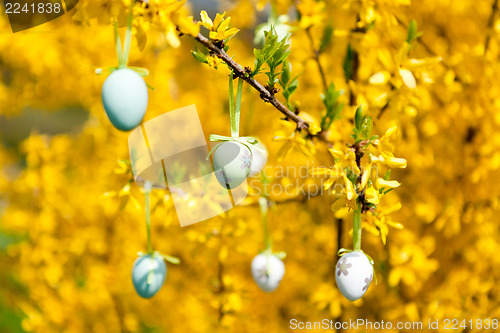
x=71, y=222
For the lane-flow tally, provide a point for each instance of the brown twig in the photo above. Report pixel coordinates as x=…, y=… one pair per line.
x=221, y=288
x=316, y=58
x=354, y=75
x=355, y=64
x=386, y=105
x=119, y=311
x=491, y=20
x=430, y=51
x=383, y=109
x=359, y=153
x=265, y=94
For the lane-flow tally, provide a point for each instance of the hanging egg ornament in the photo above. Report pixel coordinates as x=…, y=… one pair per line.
x=148, y=274
x=125, y=98
x=267, y=271
x=353, y=274
x=232, y=162
x=259, y=159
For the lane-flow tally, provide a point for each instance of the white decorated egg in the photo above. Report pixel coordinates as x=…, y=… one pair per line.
x=353, y=274
x=267, y=271
x=125, y=98
x=259, y=158
x=232, y=162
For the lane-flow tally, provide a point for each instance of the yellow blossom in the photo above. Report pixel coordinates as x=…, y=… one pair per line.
x=213, y=61
x=220, y=28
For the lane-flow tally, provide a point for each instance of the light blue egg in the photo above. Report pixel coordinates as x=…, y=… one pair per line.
x=125, y=98
x=148, y=274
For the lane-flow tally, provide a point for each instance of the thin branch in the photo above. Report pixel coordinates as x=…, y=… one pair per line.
x=430, y=51
x=386, y=105
x=355, y=64
x=221, y=288
x=354, y=75
x=491, y=21
x=316, y=58
x=383, y=109
x=265, y=95
x=339, y=239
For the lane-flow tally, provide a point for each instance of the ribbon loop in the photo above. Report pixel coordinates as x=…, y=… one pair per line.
x=242, y=139
x=343, y=251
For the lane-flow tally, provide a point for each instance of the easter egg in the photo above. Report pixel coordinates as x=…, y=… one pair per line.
x=267, y=271
x=125, y=98
x=232, y=162
x=259, y=158
x=353, y=274
x=148, y=274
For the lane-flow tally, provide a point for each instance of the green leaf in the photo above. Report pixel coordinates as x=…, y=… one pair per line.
x=351, y=176
x=285, y=74
x=258, y=55
x=387, y=174
x=366, y=127
x=273, y=53
x=333, y=106
x=413, y=33
x=327, y=38
x=348, y=64
x=358, y=117
x=292, y=87
x=389, y=190
x=200, y=56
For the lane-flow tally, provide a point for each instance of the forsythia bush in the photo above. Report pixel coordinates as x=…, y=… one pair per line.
x=423, y=76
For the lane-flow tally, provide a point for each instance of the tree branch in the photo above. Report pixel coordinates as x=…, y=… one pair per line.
x=430, y=51
x=355, y=64
x=265, y=94
x=491, y=21
x=316, y=58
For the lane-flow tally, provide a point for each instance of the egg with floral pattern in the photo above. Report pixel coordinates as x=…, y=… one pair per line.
x=232, y=162
x=353, y=274
x=148, y=274
x=125, y=98
x=267, y=271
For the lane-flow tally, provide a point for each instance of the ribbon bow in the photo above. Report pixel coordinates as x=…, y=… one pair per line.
x=343, y=251
x=244, y=140
x=234, y=117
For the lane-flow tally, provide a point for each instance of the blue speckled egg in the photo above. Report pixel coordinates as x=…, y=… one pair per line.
x=148, y=274
x=125, y=98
